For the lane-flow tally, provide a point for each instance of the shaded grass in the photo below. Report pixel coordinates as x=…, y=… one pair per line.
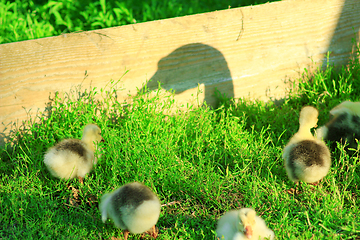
x=203, y=161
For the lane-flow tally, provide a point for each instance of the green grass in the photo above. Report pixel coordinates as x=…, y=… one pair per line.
x=205, y=161
x=24, y=20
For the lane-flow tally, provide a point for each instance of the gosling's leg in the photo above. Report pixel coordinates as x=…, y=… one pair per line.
x=315, y=183
x=126, y=234
x=297, y=185
x=81, y=180
x=155, y=234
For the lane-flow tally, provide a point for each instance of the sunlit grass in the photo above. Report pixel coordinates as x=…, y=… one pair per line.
x=201, y=162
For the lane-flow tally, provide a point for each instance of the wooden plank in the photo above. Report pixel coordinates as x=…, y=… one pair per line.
x=247, y=51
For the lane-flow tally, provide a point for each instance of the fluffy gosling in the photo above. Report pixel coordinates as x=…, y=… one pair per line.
x=306, y=158
x=241, y=225
x=133, y=208
x=73, y=157
x=344, y=125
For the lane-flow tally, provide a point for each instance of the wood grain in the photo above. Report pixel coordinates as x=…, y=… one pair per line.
x=244, y=52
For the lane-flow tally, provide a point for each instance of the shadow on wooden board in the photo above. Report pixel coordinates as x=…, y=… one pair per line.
x=194, y=64
x=10, y=129
x=342, y=46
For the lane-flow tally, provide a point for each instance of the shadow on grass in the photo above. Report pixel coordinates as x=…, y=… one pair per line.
x=186, y=226
x=26, y=208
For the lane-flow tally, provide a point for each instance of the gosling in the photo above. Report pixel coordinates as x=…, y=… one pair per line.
x=73, y=157
x=344, y=125
x=241, y=225
x=306, y=158
x=133, y=208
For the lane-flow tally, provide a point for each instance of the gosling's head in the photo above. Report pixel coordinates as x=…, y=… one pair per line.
x=346, y=107
x=308, y=117
x=246, y=221
x=92, y=133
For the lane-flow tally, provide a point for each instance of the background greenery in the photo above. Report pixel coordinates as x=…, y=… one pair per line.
x=24, y=20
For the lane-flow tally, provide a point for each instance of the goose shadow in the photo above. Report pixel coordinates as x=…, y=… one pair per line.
x=190, y=65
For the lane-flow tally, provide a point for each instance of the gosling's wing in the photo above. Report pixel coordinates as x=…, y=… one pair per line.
x=261, y=229
x=226, y=226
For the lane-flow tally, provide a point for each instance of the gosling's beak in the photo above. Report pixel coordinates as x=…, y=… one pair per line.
x=248, y=232
x=102, y=140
